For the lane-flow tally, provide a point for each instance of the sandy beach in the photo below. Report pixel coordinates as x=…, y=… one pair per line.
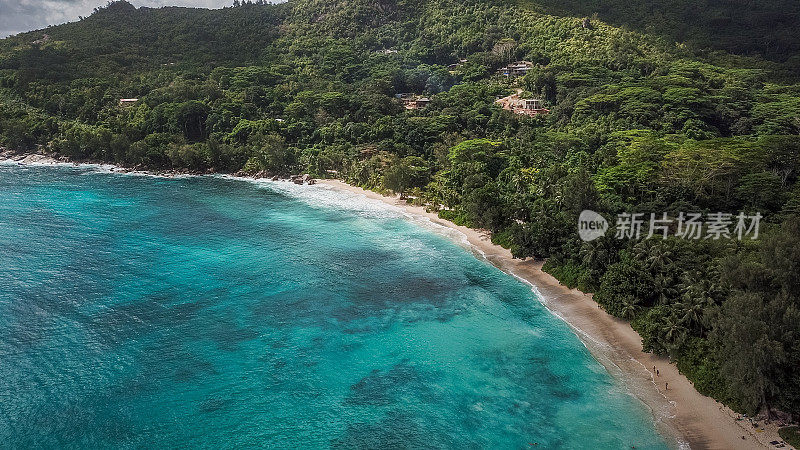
x=696, y=420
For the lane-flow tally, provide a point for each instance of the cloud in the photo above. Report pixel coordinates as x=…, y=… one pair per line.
x=17, y=16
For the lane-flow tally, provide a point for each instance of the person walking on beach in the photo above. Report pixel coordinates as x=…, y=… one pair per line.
x=666, y=386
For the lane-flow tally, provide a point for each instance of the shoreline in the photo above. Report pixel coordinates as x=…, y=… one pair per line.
x=680, y=413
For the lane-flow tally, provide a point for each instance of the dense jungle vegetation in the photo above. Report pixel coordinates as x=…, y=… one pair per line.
x=637, y=123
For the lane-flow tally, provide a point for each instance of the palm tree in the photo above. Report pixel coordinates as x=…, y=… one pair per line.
x=664, y=286
x=693, y=313
x=628, y=308
x=698, y=293
x=659, y=257
x=674, y=332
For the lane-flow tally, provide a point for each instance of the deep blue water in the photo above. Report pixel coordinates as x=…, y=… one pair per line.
x=148, y=312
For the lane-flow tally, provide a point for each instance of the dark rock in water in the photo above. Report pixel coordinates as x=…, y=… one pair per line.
x=312, y=181
x=212, y=404
x=275, y=178
x=297, y=181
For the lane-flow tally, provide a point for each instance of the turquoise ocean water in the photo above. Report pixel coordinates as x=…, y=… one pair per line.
x=138, y=311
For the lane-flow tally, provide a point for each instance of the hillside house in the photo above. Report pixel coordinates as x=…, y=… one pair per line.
x=421, y=102
x=455, y=66
x=515, y=69
x=412, y=101
x=525, y=106
x=532, y=104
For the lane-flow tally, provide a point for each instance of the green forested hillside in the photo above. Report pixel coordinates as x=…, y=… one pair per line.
x=637, y=123
x=762, y=27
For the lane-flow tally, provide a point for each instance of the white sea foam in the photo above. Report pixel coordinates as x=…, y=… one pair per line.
x=324, y=196
x=47, y=163
x=451, y=233
x=84, y=167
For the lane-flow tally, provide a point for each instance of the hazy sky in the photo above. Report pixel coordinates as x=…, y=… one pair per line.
x=24, y=15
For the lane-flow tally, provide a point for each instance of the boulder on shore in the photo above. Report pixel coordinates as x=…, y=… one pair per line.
x=37, y=158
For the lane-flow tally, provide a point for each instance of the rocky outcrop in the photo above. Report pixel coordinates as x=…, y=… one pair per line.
x=31, y=158
x=43, y=157
x=302, y=179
